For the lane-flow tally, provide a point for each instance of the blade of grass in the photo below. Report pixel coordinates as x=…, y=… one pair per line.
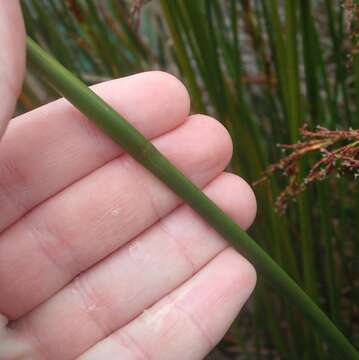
x=329, y=263
x=182, y=56
x=113, y=124
x=337, y=34
x=54, y=37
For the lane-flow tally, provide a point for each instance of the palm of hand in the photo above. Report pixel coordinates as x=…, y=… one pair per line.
x=98, y=259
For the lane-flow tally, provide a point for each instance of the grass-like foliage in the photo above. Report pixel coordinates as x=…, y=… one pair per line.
x=264, y=68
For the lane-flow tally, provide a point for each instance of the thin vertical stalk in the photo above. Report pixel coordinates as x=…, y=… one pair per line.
x=183, y=57
x=291, y=69
x=329, y=263
x=337, y=32
x=310, y=61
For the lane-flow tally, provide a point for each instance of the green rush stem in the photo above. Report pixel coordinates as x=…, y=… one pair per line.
x=294, y=121
x=123, y=133
x=292, y=73
x=103, y=40
x=60, y=50
x=255, y=32
x=295, y=116
x=329, y=261
x=310, y=56
x=182, y=56
x=337, y=34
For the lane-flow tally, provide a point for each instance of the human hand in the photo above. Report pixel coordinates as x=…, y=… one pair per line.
x=99, y=259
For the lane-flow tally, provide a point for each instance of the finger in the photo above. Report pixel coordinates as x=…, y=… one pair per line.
x=51, y=147
x=12, y=58
x=116, y=290
x=98, y=214
x=190, y=321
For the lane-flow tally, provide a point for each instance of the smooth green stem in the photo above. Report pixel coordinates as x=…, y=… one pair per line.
x=182, y=56
x=123, y=133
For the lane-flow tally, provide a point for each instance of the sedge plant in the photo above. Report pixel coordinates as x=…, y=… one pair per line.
x=123, y=133
x=264, y=68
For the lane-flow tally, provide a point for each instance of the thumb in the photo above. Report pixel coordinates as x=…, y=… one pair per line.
x=12, y=58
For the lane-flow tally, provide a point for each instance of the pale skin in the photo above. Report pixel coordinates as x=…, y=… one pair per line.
x=98, y=259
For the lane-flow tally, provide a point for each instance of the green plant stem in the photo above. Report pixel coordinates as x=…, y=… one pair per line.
x=182, y=56
x=329, y=261
x=123, y=133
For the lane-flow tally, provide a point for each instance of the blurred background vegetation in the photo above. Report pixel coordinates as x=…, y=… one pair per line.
x=264, y=68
